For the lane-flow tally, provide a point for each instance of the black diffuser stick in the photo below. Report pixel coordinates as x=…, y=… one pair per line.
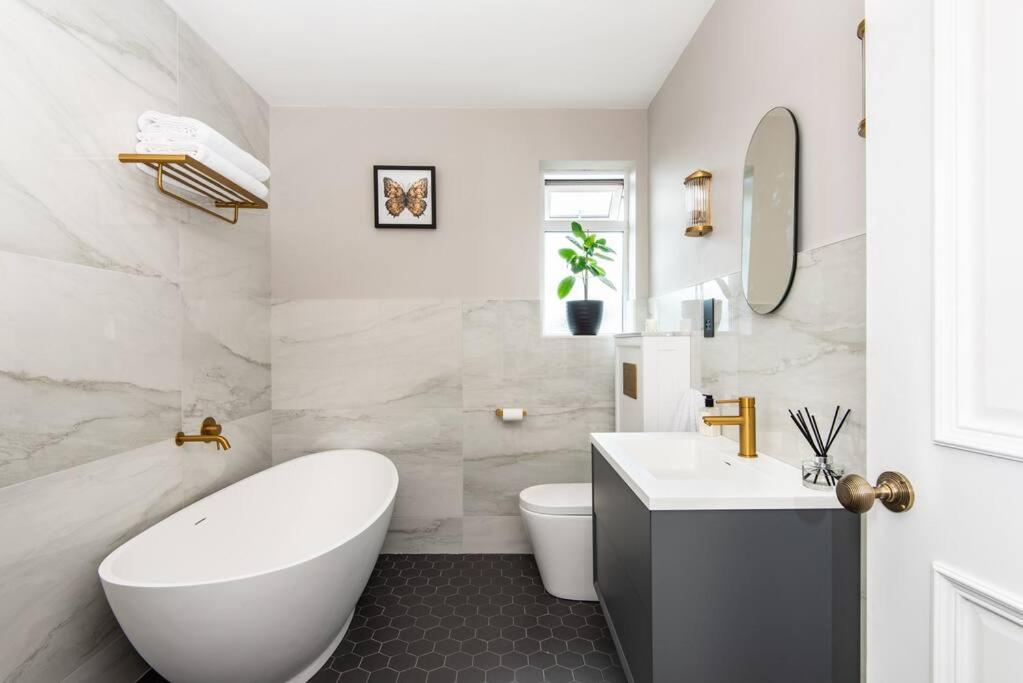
x=824, y=450
x=818, y=447
x=803, y=433
x=806, y=436
x=831, y=431
x=809, y=424
x=817, y=435
x=806, y=429
x=813, y=422
x=835, y=436
x=801, y=425
x=796, y=422
x=823, y=454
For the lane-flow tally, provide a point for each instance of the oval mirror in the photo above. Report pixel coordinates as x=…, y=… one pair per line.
x=769, y=211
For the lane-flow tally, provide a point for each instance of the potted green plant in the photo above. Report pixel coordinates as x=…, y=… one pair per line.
x=584, y=316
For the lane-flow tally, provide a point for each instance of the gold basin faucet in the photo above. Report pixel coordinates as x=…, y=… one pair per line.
x=209, y=432
x=746, y=421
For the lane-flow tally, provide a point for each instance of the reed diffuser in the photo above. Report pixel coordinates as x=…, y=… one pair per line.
x=821, y=472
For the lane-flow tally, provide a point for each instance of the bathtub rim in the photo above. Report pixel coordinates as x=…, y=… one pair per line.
x=108, y=576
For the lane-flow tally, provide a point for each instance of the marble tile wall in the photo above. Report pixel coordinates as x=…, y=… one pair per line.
x=128, y=317
x=810, y=352
x=566, y=384
x=382, y=375
x=418, y=380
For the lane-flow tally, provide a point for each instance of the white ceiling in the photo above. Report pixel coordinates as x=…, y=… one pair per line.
x=450, y=53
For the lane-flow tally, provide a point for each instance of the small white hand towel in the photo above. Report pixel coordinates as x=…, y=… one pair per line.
x=165, y=129
x=207, y=156
x=687, y=413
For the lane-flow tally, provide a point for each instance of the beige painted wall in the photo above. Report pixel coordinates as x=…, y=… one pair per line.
x=488, y=166
x=746, y=58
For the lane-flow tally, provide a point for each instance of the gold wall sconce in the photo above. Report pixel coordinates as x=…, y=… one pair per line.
x=697, y=198
x=861, y=32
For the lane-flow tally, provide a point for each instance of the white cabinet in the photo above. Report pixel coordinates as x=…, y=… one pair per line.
x=651, y=373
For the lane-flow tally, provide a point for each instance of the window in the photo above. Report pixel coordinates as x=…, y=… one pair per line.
x=599, y=201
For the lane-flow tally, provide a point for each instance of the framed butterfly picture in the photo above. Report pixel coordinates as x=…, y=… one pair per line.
x=405, y=196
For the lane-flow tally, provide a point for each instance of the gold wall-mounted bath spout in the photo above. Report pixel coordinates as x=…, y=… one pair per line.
x=746, y=421
x=209, y=432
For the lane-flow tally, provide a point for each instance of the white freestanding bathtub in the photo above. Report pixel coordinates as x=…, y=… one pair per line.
x=256, y=583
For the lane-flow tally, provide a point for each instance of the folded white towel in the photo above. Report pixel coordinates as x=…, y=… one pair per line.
x=687, y=412
x=207, y=156
x=165, y=129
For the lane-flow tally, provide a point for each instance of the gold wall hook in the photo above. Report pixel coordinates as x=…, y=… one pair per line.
x=209, y=432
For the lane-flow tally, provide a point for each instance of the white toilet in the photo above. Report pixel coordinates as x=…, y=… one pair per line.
x=559, y=521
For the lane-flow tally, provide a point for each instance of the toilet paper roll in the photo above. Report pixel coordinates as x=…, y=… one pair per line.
x=512, y=414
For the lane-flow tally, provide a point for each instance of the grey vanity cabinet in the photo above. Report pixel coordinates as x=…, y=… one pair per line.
x=726, y=596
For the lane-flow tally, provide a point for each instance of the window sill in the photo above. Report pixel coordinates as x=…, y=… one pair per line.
x=609, y=335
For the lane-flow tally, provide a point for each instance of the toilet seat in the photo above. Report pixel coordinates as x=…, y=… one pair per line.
x=558, y=499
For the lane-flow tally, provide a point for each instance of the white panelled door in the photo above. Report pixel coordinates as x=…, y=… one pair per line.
x=945, y=338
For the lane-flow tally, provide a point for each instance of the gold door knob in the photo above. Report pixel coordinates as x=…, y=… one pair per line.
x=893, y=490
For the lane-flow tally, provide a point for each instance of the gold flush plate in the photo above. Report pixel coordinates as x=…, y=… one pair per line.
x=629, y=380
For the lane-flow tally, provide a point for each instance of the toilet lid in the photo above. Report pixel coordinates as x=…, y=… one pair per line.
x=558, y=499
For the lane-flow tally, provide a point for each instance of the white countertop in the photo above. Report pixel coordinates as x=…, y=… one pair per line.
x=630, y=335
x=689, y=471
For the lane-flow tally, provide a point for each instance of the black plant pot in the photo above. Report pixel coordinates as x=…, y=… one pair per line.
x=584, y=316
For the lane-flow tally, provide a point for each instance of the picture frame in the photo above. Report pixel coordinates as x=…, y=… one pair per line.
x=405, y=197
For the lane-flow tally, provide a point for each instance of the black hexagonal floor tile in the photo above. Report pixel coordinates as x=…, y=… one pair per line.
x=468, y=619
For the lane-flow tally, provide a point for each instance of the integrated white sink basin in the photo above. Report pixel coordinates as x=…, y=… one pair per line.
x=688, y=471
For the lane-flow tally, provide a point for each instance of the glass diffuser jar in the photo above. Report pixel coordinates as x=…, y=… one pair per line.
x=821, y=473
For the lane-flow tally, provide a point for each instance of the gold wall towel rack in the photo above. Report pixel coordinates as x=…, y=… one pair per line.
x=198, y=177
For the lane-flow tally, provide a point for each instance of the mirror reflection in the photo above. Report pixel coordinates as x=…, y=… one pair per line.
x=769, y=210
